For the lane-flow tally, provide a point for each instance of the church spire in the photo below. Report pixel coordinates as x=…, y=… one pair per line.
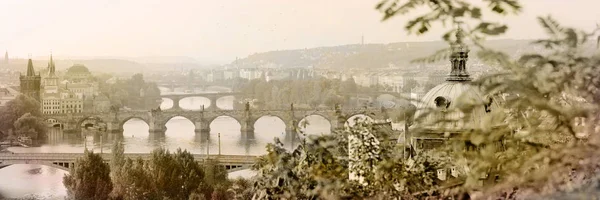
x=51, y=67
x=30, y=71
x=458, y=59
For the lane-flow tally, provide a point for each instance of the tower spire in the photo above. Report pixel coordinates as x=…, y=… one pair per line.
x=51, y=67
x=458, y=59
x=30, y=71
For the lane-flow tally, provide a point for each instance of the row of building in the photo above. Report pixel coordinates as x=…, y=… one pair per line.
x=75, y=91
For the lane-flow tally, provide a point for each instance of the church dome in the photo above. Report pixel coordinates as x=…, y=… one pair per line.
x=78, y=69
x=447, y=101
x=456, y=104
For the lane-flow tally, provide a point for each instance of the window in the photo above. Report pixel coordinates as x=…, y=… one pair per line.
x=442, y=102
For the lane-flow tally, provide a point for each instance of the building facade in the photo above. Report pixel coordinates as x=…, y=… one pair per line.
x=69, y=95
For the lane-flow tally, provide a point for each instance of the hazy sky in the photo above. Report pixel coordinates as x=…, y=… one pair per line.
x=218, y=31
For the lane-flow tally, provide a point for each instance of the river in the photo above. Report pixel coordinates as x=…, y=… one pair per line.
x=44, y=182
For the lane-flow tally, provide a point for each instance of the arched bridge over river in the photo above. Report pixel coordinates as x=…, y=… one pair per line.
x=157, y=119
x=212, y=97
x=66, y=161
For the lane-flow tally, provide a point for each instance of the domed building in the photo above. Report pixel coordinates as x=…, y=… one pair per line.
x=78, y=73
x=452, y=107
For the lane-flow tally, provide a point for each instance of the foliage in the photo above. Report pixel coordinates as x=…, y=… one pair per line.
x=215, y=180
x=15, y=109
x=89, y=179
x=118, y=170
x=129, y=93
x=545, y=96
x=241, y=189
x=21, y=117
x=282, y=93
x=167, y=176
x=544, y=132
x=352, y=163
x=31, y=126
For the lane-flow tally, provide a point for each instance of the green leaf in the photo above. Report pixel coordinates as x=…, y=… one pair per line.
x=476, y=13
x=491, y=28
x=423, y=29
x=498, y=9
x=459, y=12
x=550, y=25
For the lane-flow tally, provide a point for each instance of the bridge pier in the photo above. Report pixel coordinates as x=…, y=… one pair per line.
x=113, y=127
x=155, y=127
x=213, y=104
x=202, y=130
x=290, y=134
x=247, y=133
x=156, y=136
x=176, y=104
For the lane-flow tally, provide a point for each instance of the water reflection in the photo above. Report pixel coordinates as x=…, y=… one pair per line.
x=37, y=181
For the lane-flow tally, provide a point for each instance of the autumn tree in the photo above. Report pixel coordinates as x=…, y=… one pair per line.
x=89, y=179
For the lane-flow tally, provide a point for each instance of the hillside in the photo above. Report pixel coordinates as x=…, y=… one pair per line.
x=362, y=56
x=94, y=65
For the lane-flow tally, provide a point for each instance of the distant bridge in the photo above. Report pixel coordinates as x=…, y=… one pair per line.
x=213, y=97
x=66, y=161
x=186, y=84
x=157, y=119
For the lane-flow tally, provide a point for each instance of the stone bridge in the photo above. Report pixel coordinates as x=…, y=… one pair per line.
x=157, y=119
x=213, y=97
x=185, y=84
x=66, y=161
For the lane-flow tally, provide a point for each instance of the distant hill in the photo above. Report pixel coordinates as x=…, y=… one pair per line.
x=94, y=65
x=363, y=56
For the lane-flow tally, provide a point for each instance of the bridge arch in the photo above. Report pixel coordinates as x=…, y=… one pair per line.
x=219, y=99
x=352, y=119
x=312, y=127
x=98, y=121
x=207, y=102
x=370, y=114
x=272, y=129
x=165, y=106
x=285, y=120
x=169, y=118
x=125, y=120
x=212, y=119
x=53, y=122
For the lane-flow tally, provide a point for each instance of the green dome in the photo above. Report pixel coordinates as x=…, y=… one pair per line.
x=78, y=69
x=448, y=98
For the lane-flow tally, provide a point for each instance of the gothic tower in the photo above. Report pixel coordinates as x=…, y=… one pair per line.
x=51, y=80
x=30, y=83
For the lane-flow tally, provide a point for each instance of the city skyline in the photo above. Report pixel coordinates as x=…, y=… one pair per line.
x=218, y=32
